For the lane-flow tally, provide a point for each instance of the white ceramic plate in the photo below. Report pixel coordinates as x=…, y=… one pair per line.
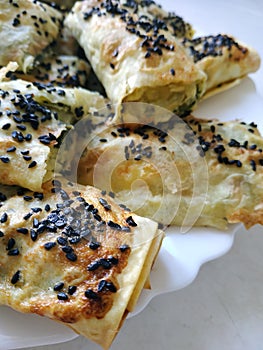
x=181, y=255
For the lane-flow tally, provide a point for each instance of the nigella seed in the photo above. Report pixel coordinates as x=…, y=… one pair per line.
x=16, y=277
x=72, y=290
x=1, y=234
x=62, y=296
x=90, y=294
x=58, y=286
x=49, y=245
x=131, y=222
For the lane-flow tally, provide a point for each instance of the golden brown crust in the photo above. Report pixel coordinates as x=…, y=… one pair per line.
x=216, y=172
x=33, y=117
x=27, y=27
x=82, y=261
x=58, y=70
x=161, y=73
x=223, y=58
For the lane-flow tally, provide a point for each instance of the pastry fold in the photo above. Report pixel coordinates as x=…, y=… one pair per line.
x=136, y=58
x=33, y=118
x=224, y=59
x=73, y=255
x=27, y=27
x=58, y=70
x=193, y=173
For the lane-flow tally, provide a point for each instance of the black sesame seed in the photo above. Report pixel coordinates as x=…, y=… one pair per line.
x=1, y=234
x=13, y=252
x=114, y=225
x=74, y=240
x=106, y=264
x=36, y=209
x=28, y=198
x=33, y=235
x=16, y=277
x=113, y=260
x=6, y=126
x=35, y=223
x=62, y=296
x=10, y=244
x=5, y=159
x=47, y=208
x=172, y=71
x=32, y=164
x=111, y=287
x=16, y=22
x=58, y=286
x=131, y=222
x=61, y=223
x=22, y=230
x=124, y=247
x=253, y=165
x=39, y=196
x=90, y=294
x=62, y=241
x=97, y=217
x=239, y=163
x=72, y=290
x=49, y=245
x=102, y=285
x=94, y=266
x=11, y=149
x=3, y=197
x=71, y=256
x=4, y=218
x=61, y=92
x=94, y=245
